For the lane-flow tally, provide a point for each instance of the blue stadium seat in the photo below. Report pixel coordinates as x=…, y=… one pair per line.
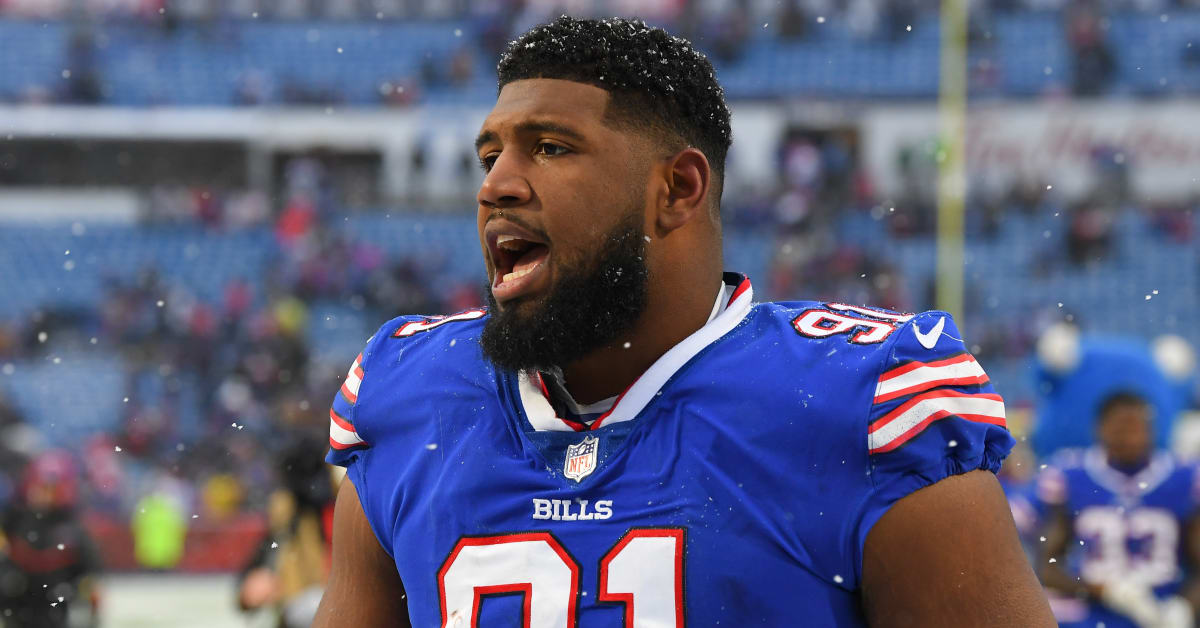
x=68, y=401
x=206, y=64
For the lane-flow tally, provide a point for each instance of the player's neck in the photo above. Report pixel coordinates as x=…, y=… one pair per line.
x=666, y=321
x=1129, y=467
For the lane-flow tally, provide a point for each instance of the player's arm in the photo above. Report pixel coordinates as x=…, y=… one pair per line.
x=1052, y=556
x=364, y=589
x=948, y=555
x=1191, y=587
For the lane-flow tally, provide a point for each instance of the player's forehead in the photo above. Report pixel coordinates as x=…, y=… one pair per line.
x=1128, y=415
x=573, y=105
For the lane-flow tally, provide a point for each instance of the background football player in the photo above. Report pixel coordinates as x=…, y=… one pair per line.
x=1121, y=533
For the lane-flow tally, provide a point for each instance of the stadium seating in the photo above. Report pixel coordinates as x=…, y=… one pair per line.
x=217, y=63
x=1007, y=275
x=51, y=266
x=71, y=399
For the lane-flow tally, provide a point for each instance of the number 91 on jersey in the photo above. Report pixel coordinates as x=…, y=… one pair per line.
x=643, y=571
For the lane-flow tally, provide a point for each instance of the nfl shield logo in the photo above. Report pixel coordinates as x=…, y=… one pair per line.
x=581, y=459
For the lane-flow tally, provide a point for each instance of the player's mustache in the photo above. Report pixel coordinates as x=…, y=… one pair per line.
x=520, y=222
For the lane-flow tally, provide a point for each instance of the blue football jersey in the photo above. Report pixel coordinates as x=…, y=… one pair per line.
x=734, y=483
x=1124, y=526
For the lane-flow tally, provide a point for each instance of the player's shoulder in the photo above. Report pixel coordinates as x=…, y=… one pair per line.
x=418, y=336
x=1191, y=471
x=1069, y=459
x=1064, y=470
x=894, y=354
x=821, y=320
x=907, y=335
x=405, y=358
x=1184, y=472
x=408, y=353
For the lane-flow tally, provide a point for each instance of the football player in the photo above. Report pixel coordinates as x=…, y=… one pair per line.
x=1120, y=516
x=623, y=437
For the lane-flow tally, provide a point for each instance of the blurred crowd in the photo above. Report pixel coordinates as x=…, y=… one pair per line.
x=225, y=397
x=723, y=28
x=670, y=12
x=213, y=384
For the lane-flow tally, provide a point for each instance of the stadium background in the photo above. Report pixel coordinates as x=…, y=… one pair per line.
x=206, y=206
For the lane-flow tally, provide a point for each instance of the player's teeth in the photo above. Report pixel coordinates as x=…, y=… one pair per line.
x=505, y=240
x=517, y=274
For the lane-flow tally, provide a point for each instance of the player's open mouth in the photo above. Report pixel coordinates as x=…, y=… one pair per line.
x=520, y=265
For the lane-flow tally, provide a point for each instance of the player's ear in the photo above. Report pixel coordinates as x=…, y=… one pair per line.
x=687, y=176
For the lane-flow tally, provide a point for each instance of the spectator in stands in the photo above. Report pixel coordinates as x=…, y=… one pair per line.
x=400, y=92
x=915, y=208
x=48, y=563
x=793, y=22
x=898, y=17
x=83, y=80
x=1110, y=168
x=1175, y=222
x=462, y=67
x=252, y=89
x=246, y=209
x=1089, y=236
x=729, y=33
x=17, y=442
x=159, y=530
x=1093, y=60
x=297, y=221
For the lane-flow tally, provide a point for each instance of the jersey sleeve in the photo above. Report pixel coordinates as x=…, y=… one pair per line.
x=1050, y=488
x=1196, y=483
x=346, y=443
x=354, y=421
x=934, y=414
x=344, y=439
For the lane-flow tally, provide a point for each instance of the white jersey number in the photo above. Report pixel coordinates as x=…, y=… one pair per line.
x=822, y=323
x=1111, y=534
x=643, y=571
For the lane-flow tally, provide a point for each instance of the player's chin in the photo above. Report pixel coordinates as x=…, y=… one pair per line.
x=520, y=307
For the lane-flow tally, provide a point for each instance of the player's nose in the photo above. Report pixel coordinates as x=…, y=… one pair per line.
x=504, y=185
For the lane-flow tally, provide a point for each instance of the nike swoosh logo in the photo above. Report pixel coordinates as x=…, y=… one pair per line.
x=929, y=339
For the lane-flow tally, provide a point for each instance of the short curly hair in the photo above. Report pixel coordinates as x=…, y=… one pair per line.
x=658, y=82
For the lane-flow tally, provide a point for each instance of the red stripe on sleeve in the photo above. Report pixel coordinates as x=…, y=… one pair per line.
x=914, y=365
x=342, y=423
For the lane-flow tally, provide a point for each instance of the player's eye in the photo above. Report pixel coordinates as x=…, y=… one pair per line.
x=487, y=161
x=550, y=149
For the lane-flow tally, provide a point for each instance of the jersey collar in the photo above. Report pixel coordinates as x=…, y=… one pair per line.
x=1095, y=462
x=541, y=414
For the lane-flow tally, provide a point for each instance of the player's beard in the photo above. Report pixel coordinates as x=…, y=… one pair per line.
x=589, y=307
